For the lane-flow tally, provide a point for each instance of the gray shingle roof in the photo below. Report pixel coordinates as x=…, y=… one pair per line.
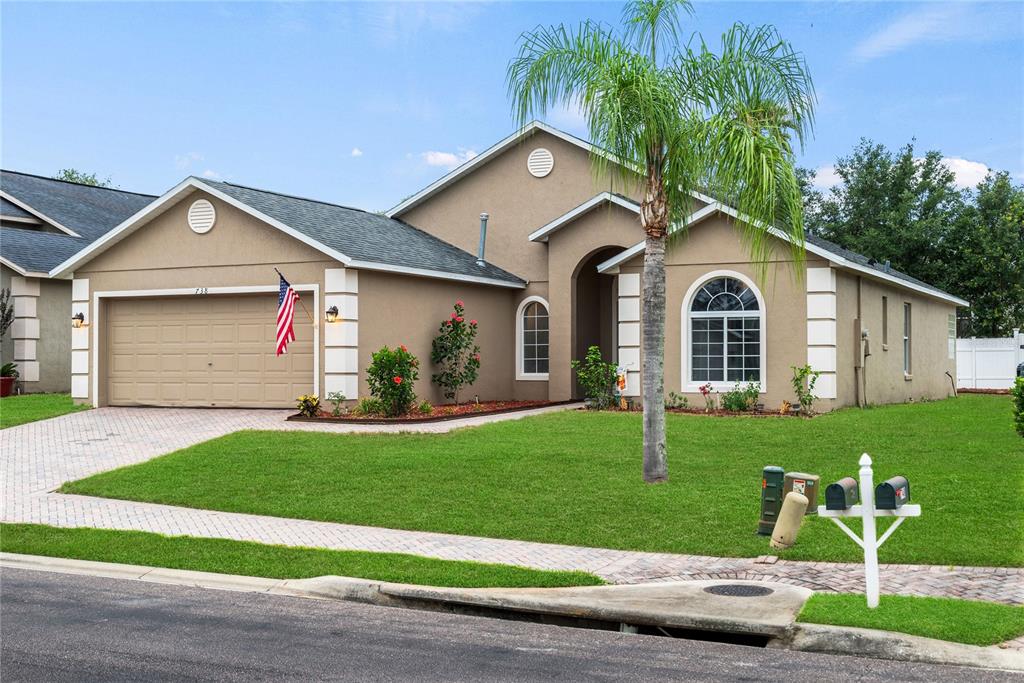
x=10, y=209
x=364, y=236
x=89, y=211
x=37, y=251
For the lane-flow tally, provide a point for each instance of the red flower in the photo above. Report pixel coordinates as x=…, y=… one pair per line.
x=476, y=357
x=454, y=316
x=459, y=319
x=397, y=379
x=473, y=323
x=403, y=348
x=459, y=303
x=448, y=323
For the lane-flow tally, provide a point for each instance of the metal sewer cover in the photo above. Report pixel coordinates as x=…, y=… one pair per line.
x=738, y=590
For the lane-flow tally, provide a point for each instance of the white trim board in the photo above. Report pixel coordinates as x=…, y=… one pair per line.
x=21, y=271
x=38, y=214
x=541, y=234
x=532, y=376
x=191, y=291
x=611, y=265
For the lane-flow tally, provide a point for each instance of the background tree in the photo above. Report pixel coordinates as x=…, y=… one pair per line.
x=75, y=176
x=676, y=120
x=6, y=311
x=907, y=210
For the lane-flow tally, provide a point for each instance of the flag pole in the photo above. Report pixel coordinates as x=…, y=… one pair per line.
x=305, y=310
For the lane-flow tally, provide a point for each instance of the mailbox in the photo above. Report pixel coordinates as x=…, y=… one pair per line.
x=771, y=499
x=804, y=484
x=842, y=495
x=892, y=493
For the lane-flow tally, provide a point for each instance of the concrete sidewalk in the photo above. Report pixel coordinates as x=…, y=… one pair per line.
x=39, y=457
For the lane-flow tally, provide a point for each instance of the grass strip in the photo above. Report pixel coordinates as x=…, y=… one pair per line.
x=17, y=410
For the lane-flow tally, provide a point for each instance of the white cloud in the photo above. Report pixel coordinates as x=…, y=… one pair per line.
x=448, y=160
x=968, y=173
x=183, y=161
x=211, y=174
x=941, y=23
x=826, y=177
x=356, y=152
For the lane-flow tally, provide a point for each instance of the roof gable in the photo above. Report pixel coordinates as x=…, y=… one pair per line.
x=541, y=234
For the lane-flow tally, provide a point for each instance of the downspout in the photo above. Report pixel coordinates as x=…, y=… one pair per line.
x=483, y=240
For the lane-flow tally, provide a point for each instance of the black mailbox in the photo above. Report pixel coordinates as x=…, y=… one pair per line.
x=842, y=494
x=892, y=493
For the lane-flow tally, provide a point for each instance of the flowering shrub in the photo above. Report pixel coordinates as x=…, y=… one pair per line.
x=456, y=353
x=709, y=396
x=598, y=378
x=391, y=375
x=741, y=398
x=308, y=405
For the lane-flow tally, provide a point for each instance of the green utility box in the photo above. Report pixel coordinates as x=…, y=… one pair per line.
x=804, y=484
x=771, y=499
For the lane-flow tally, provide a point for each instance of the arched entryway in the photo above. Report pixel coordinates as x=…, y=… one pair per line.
x=594, y=312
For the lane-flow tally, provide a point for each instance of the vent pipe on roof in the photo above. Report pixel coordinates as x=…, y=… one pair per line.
x=483, y=239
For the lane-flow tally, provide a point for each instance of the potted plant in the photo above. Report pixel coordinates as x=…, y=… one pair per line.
x=8, y=376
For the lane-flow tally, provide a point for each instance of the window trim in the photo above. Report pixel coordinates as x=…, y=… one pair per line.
x=686, y=351
x=530, y=376
x=885, y=323
x=908, y=343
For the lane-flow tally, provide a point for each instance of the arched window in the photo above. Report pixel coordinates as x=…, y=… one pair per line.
x=532, y=347
x=725, y=322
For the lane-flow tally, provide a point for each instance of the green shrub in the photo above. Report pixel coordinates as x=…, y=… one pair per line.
x=337, y=398
x=804, y=380
x=426, y=408
x=677, y=401
x=391, y=375
x=1018, y=405
x=368, y=406
x=598, y=378
x=308, y=405
x=741, y=398
x=456, y=353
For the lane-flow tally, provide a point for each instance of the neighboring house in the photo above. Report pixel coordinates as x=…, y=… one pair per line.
x=181, y=298
x=43, y=222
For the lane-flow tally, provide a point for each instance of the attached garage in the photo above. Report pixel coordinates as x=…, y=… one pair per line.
x=203, y=350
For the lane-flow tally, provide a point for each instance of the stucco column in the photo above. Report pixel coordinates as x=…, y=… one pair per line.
x=629, y=331
x=341, y=338
x=561, y=322
x=821, y=329
x=25, y=330
x=80, y=372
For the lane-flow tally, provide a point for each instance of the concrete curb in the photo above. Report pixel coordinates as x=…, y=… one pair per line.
x=864, y=642
x=598, y=606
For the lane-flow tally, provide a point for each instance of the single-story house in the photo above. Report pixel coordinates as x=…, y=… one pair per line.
x=180, y=298
x=43, y=222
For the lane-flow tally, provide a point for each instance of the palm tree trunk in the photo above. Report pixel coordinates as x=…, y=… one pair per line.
x=653, y=344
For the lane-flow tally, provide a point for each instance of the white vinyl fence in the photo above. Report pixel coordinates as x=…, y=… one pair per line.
x=988, y=363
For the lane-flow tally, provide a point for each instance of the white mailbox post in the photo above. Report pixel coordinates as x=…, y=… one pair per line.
x=867, y=512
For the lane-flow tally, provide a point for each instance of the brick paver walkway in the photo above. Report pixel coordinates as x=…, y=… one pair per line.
x=38, y=457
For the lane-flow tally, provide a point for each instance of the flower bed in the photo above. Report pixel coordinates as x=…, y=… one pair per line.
x=439, y=413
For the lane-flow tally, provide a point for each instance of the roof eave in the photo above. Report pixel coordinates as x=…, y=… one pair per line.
x=541, y=234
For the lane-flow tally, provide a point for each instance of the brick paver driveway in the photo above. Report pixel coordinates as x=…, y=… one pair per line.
x=38, y=457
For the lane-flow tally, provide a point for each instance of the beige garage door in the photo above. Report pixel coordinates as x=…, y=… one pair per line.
x=204, y=351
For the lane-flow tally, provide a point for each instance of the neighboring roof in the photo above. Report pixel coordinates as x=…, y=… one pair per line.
x=354, y=237
x=541, y=234
x=83, y=213
x=9, y=209
x=842, y=257
x=34, y=251
x=82, y=210
x=487, y=155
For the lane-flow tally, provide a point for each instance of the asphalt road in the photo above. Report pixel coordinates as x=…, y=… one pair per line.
x=61, y=627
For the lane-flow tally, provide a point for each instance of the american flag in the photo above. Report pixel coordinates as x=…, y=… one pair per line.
x=286, y=299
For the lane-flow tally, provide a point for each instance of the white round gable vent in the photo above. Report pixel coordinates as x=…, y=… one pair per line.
x=201, y=216
x=540, y=162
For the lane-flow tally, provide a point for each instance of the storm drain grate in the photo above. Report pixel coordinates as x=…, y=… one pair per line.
x=738, y=590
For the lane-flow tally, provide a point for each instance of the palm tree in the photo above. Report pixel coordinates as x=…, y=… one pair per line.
x=677, y=120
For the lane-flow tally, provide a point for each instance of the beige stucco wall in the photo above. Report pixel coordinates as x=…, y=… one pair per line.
x=239, y=251
x=517, y=202
x=884, y=381
x=717, y=245
x=44, y=360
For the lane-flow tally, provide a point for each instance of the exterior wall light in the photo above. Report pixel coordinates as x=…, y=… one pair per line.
x=332, y=314
x=78, y=320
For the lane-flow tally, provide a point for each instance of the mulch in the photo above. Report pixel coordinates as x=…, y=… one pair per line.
x=1000, y=392
x=439, y=414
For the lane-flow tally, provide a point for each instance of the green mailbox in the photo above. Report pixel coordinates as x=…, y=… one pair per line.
x=772, y=479
x=892, y=494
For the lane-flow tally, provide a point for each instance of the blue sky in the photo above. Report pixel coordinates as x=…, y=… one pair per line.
x=364, y=104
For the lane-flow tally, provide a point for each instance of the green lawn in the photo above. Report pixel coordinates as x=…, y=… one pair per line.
x=273, y=561
x=960, y=621
x=16, y=410
x=574, y=478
